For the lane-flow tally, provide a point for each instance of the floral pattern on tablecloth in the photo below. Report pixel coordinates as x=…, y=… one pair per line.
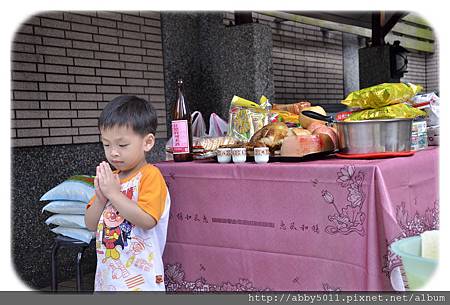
x=175, y=281
x=327, y=287
x=350, y=218
x=410, y=226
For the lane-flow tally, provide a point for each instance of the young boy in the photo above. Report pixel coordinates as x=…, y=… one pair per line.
x=130, y=209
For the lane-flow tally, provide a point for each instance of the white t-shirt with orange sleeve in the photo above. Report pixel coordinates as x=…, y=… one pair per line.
x=129, y=258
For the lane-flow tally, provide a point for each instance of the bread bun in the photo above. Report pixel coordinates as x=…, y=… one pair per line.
x=306, y=121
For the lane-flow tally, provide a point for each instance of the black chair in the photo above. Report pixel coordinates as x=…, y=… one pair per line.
x=63, y=241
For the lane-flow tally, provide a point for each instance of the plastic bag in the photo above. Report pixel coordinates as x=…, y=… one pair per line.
x=198, y=125
x=433, y=113
x=217, y=126
x=67, y=221
x=247, y=117
x=428, y=102
x=66, y=207
x=79, y=234
x=397, y=111
x=381, y=95
x=76, y=188
x=212, y=143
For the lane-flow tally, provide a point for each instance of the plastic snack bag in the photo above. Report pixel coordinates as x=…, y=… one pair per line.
x=381, y=95
x=396, y=111
x=246, y=117
x=428, y=102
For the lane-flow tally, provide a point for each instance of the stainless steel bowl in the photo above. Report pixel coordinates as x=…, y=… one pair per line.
x=370, y=136
x=374, y=136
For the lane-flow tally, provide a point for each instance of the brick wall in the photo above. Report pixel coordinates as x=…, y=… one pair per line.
x=416, y=69
x=423, y=69
x=306, y=63
x=432, y=64
x=309, y=65
x=67, y=65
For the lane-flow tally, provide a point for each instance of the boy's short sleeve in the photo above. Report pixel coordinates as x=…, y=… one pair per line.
x=152, y=192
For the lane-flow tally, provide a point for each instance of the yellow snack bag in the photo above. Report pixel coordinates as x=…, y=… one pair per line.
x=246, y=117
x=381, y=95
x=397, y=111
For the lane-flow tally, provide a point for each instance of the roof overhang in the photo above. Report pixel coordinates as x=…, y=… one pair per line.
x=380, y=27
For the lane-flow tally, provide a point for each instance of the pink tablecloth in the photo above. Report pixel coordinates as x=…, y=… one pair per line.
x=309, y=226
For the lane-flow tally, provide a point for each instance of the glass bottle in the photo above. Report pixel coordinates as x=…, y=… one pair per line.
x=181, y=128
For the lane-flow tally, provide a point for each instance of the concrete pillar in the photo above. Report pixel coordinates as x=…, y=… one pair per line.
x=247, y=62
x=375, y=66
x=351, y=45
x=215, y=61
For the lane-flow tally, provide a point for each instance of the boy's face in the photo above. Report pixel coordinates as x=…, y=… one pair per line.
x=124, y=148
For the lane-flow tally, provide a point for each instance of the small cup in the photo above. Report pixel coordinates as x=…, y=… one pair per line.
x=239, y=155
x=223, y=155
x=261, y=154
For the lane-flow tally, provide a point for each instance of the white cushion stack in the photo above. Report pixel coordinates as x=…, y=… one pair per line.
x=68, y=202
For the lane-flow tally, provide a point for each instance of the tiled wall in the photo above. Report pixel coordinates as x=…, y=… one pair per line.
x=416, y=69
x=67, y=65
x=432, y=64
x=307, y=64
x=423, y=69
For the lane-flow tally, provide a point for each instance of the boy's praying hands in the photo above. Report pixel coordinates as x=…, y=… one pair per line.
x=109, y=182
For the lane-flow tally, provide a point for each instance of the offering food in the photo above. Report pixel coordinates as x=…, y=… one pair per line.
x=328, y=138
x=397, y=111
x=212, y=143
x=295, y=108
x=381, y=95
x=299, y=146
x=314, y=125
x=313, y=137
x=246, y=117
x=328, y=131
x=271, y=136
x=298, y=131
x=302, y=142
x=307, y=121
x=284, y=116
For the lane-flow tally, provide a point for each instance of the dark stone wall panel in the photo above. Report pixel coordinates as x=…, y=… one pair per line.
x=35, y=170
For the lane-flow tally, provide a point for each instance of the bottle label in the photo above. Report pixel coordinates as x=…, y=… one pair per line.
x=180, y=137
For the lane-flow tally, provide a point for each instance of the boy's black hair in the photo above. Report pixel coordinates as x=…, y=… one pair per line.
x=131, y=111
